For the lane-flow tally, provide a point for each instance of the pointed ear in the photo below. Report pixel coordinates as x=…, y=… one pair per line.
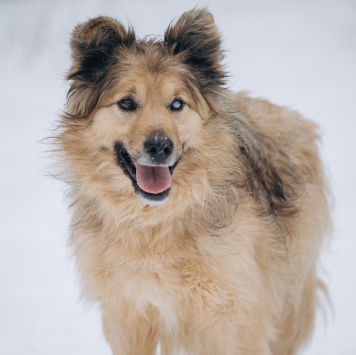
x=93, y=44
x=95, y=47
x=195, y=40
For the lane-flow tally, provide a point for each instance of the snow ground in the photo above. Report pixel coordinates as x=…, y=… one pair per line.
x=300, y=54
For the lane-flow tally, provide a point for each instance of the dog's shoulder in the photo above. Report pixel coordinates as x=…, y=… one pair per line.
x=282, y=130
x=272, y=121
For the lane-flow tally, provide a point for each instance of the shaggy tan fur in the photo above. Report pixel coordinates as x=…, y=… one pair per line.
x=226, y=264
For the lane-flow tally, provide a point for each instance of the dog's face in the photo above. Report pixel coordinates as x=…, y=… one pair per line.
x=137, y=108
x=150, y=121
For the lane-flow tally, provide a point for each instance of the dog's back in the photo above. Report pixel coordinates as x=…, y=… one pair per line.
x=293, y=141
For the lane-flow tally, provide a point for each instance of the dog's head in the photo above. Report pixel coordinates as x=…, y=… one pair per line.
x=142, y=104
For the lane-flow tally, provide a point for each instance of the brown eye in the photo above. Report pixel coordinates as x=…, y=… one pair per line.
x=177, y=105
x=127, y=104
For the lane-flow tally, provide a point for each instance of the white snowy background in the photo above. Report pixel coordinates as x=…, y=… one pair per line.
x=300, y=54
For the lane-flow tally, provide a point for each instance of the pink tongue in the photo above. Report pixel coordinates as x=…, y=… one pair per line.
x=153, y=179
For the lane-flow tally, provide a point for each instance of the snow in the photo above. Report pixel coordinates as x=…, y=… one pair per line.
x=299, y=54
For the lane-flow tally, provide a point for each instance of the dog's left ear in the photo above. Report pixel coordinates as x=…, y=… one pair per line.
x=195, y=40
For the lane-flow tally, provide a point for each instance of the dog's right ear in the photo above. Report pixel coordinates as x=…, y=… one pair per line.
x=93, y=44
x=195, y=39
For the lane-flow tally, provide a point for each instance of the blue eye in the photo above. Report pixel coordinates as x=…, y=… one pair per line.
x=177, y=105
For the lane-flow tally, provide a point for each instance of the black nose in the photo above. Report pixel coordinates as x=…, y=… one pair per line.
x=159, y=148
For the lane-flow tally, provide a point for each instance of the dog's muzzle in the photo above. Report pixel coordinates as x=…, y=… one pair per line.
x=151, y=173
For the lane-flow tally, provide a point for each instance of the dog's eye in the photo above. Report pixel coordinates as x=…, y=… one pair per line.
x=127, y=104
x=177, y=105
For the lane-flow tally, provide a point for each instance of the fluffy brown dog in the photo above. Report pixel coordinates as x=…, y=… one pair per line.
x=198, y=214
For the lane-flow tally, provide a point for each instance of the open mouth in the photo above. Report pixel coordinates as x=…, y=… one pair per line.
x=151, y=182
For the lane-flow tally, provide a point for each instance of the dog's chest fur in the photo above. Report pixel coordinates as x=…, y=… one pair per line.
x=176, y=275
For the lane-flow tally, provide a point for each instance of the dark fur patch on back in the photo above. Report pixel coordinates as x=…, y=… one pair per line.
x=262, y=176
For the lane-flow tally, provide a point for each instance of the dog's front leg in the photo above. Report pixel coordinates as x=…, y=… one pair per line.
x=224, y=332
x=128, y=332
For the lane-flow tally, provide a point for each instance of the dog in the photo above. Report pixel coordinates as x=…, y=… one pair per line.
x=198, y=214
